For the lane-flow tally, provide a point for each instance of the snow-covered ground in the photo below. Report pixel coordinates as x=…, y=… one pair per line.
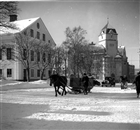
x=103, y=104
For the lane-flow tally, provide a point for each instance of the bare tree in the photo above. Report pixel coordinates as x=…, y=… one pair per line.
x=59, y=59
x=6, y=9
x=44, y=57
x=75, y=40
x=24, y=46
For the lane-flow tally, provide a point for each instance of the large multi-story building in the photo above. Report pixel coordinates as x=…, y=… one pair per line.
x=10, y=69
x=114, y=61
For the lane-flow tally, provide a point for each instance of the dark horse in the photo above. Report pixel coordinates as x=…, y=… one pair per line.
x=58, y=81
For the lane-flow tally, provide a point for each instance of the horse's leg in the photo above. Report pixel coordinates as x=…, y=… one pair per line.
x=58, y=90
x=55, y=91
x=65, y=90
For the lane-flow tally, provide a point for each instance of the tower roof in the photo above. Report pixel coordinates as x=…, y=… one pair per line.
x=108, y=29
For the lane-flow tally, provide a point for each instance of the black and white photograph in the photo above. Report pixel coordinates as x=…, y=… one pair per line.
x=70, y=65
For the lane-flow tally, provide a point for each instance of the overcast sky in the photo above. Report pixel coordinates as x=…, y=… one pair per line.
x=91, y=16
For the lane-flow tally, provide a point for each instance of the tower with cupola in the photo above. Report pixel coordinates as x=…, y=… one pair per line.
x=108, y=37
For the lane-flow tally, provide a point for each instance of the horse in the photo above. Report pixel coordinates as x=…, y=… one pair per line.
x=58, y=81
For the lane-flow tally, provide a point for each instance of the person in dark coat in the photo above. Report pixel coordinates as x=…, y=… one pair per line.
x=85, y=80
x=137, y=82
x=123, y=80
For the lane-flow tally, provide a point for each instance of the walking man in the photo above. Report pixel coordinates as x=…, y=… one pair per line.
x=137, y=82
x=85, y=80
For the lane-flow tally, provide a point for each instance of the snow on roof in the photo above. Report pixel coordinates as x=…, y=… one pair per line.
x=21, y=25
x=97, y=47
x=106, y=29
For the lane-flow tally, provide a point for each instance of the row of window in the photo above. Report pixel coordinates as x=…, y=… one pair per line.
x=38, y=56
x=38, y=35
x=9, y=55
x=9, y=73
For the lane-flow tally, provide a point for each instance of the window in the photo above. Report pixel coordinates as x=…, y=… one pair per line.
x=9, y=53
x=9, y=72
x=38, y=73
x=111, y=45
x=0, y=54
x=0, y=73
x=38, y=56
x=31, y=32
x=49, y=58
x=38, y=26
x=24, y=54
x=44, y=37
x=44, y=57
x=32, y=73
x=32, y=55
x=38, y=35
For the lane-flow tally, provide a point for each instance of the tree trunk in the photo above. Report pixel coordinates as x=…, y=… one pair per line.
x=28, y=74
x=42, y=74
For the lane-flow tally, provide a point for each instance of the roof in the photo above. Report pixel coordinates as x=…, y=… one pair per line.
x=95, y=47
x=118, y=56
x=108, y=29
x=21, y=25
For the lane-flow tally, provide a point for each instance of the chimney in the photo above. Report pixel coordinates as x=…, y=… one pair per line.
x=13, y=17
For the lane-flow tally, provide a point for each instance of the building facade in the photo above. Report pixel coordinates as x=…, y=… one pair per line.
x=35, y=28
x=114, y=59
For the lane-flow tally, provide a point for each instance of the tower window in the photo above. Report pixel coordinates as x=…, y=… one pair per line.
x=111, y=45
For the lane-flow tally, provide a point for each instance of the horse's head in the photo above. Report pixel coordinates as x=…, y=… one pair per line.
x=53, y=78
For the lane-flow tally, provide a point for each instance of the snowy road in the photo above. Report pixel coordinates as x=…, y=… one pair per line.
x=110, y=105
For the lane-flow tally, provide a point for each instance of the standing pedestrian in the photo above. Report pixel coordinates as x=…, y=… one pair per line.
x=123, y=80
x=85, y=80
x=137, y=82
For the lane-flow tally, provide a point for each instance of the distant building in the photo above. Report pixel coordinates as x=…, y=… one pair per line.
x=114, y=62
x=36, y=29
